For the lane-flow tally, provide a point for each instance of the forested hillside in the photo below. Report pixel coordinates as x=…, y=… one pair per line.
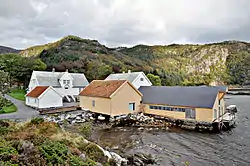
x=218, y=63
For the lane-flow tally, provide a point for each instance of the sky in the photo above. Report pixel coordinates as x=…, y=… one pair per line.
x=24, y=23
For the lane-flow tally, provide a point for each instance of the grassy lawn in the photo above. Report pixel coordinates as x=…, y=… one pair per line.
x=18, y=94
x=8, y=109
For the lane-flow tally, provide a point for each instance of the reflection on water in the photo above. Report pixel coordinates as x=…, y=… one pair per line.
x=178, y=147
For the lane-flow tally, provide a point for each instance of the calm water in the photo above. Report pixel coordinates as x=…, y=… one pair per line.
x=184, y=147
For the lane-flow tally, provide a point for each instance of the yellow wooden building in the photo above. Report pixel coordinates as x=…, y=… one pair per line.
x=203, y=104
x=111, y=97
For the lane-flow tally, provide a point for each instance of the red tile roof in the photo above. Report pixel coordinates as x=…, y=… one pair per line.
x=102, y=88
x=37, y=91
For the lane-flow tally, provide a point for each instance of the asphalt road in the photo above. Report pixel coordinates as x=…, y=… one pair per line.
x=23, y=111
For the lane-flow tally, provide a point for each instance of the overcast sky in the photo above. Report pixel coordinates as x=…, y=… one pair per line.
x=24, y=23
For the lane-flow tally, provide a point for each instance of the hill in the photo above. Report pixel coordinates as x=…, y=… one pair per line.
x=4, y=50
x=216, y=63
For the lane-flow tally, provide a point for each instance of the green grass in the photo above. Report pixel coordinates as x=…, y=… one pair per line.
x=8, y=109
x=18, y=94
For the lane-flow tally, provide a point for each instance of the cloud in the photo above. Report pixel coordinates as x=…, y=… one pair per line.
x=123, y=22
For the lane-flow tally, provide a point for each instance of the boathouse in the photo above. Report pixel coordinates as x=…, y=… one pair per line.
x=202, y=104
x=110, y=97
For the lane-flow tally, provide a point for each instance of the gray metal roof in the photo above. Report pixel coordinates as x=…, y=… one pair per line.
x=124, y=76
x=198, y=97
x=46, y=78
x=221, y=88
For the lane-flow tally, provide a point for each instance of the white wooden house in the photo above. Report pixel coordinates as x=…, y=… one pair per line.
x=44, y=97
x=69, y=85
x=138, y=79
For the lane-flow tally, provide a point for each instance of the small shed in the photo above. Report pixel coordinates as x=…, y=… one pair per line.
x=44, y=97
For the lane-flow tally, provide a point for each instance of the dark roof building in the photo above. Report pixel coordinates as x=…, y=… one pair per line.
x=197, y=97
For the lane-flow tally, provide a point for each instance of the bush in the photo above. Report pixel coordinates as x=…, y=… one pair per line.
x=7, y=163
x=86, y=129
x=93, y=152
x=36, y=121
x=4, y=102
x=7, y=152
x=54, y=152
x=5, y=127
x=76, y=161
x=89, y=162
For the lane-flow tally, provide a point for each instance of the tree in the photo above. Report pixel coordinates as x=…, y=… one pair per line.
x=238, y=66
x=4, y=83
x=20, y=68
x=155, y=79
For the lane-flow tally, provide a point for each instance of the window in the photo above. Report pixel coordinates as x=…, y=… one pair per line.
x=35, y=101
x=190, y=113
x=93, y=103
x=141, y=79
x=68, y=81
x=64, y=81
x=131, y=106
x=176, y=109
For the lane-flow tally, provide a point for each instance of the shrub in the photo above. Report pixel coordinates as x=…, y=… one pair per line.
x=89, y=162
x=47, y=128
x=4, y=123
x=6, y=127
x=86, y=129
x=93, y=152
x=36, y=121
x=6, y=153
x=54, y=152
x=4, y=102
x=7, y=163
x=76, y=161
x=4, y=130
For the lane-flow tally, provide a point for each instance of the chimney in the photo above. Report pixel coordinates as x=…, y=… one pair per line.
x=129, y=71
x=67, y=71
x=53, y=69
x=123, y=71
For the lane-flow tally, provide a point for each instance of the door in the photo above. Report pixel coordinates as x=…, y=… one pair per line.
x=215, y=114
x=190, y=113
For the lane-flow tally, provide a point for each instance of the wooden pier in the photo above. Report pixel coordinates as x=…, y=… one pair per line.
x=58, y=110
